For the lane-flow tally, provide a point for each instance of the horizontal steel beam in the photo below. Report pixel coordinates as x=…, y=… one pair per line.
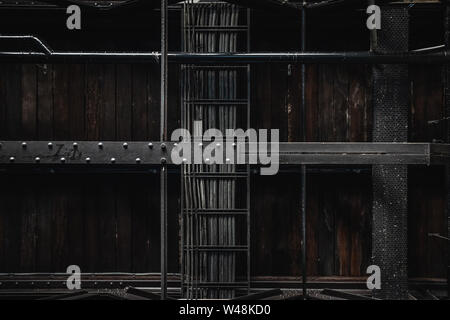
x=356, y=57
x=66, y=153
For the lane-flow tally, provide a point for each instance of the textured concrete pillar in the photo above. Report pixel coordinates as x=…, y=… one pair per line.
x=390, y=182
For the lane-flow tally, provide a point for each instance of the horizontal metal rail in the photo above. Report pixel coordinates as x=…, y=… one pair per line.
x=86, y=153
x=356, y=57
x=49, y=55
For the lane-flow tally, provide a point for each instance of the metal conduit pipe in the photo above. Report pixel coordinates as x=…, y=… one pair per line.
x=263, y=57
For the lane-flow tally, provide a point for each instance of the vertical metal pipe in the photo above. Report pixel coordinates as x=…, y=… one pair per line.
x=447, y=126
x=248, y=167
x=163, y=137
x=303, y=168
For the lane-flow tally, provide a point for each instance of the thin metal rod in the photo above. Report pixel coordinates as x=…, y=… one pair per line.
x=303, y=167
x=249, y=88
x=355, y=57
x=163, y=136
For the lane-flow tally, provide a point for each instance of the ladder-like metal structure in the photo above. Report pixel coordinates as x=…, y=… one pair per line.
x=215, y=219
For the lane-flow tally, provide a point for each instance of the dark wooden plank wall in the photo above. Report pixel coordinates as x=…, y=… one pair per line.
x=101, y=222
x=111, y=223
x=339, y=204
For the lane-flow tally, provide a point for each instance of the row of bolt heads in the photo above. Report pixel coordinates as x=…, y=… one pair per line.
x=113, y=160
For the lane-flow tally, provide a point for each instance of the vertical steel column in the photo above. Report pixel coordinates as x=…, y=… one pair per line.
x=303, y=167
x=163, y=137
x=390, y=182
x=447, y=126
x=249, y=15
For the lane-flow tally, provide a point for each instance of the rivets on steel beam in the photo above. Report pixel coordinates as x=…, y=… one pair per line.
x=50, y=145
x=63, y=160
x=37, y=159
x=125, y=145
x=100, y=145
x=184, y=160
x=138, y=160
x=227, y=160
x=113, y=160
x=11, y=159
x=24, y=145
x=150, y=145
x=88, y=160
x=163, y=160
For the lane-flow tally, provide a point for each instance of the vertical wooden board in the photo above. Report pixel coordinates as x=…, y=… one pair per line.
x=418, y=105
x=13, y=92
x=351, y=220
x=45, y=101
x=342, y=234
x=276, y=243
x=435, y=197
x=427, y=215
x=124, y=98
x=417, y=226
x=76, y=101
x=146, y=225
x=340, y=98
x=278, y=113
x=44, y=228
x=124, y=230
x=29, y=101
x=326, y=104
x=61, y=83
x=11, y=219
x=312, y=102
x=3, y=79
x=292, y=191
x=75, y=237
x=3, y=219
x=60, y=227
x=139, y=103
x=357, y=106
x=94, y=84
x=360, y=226
x=106, y=210
x=107, y=114
x=261, y=228
x=368, y=111
x=427, y=104
x=91, y=244
x=326, y=226
x=152, y=202
x=312, y=234
x=261, y=96
x=294, y=104
x=153, y=101
x=28, y=211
